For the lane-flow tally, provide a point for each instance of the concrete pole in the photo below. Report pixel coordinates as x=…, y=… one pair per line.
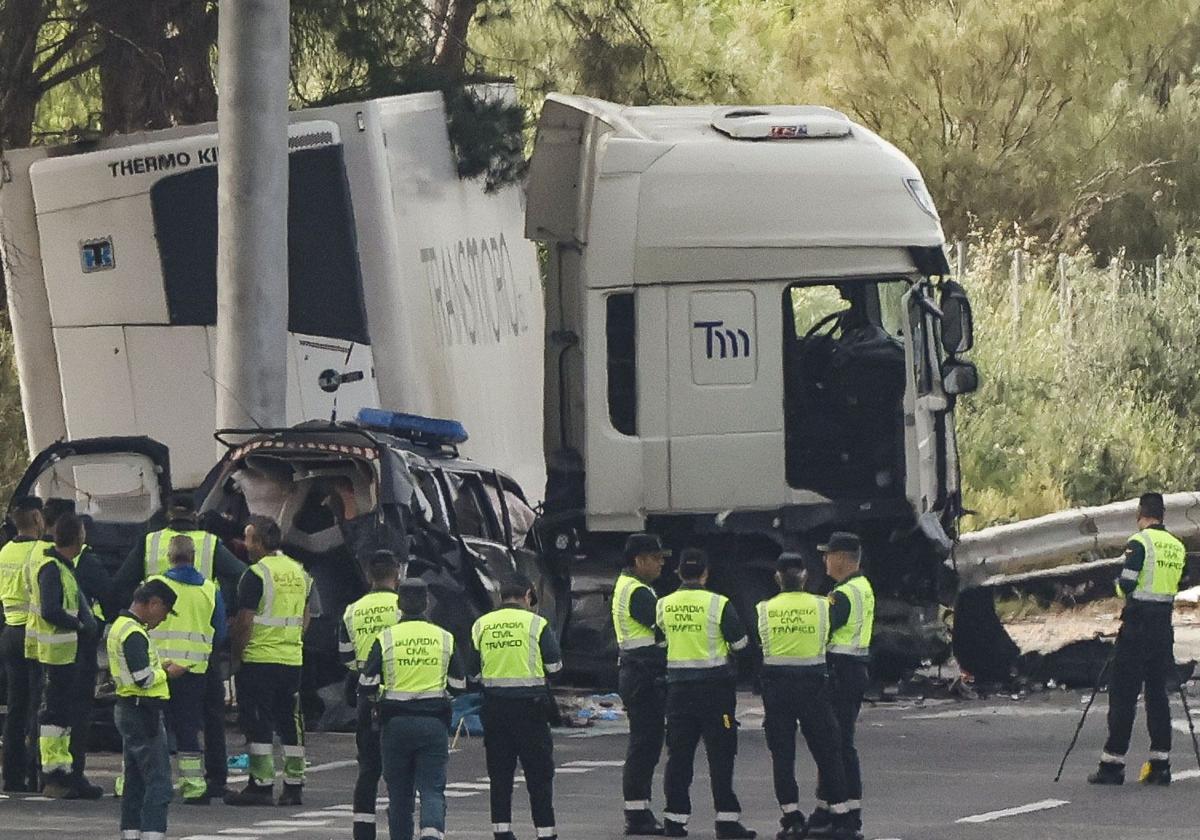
x=252, y=191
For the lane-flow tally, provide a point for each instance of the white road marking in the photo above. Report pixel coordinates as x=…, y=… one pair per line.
x=292, y=823
x=468, y=786
x=460, y=794
x=312, y=815
x=1044, y=805
x=992, y=711
x=330, y=765
x=620, y=763
x=1185, y=774
x=211, y=837
x=576, y=770
x=253, y=832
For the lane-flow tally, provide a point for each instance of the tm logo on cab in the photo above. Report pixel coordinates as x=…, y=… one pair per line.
x=722, y=342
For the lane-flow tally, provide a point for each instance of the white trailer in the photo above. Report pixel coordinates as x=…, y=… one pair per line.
x=398, y=269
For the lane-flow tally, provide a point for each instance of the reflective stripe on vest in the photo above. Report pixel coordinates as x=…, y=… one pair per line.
x=793, y=627
x=416, y=661
x=365, y=618
x=691, y=621
x=157, y=561
x=125, y=680
x=1162, y=567
x=52, y=645
x=631, y=633
x=276, y=635
x=14, y=588
x=510, y=650
x=186, y=638
x=854, y=637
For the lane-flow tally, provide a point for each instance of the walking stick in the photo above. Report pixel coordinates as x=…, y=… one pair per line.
x=1191, y=726
x=1086, y=709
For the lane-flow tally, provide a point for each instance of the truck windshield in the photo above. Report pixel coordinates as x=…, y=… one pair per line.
x=844, y=381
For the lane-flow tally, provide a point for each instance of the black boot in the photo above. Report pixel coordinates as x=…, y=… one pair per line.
x=1156, y=772
x=674, y=829
x=291, y=795
x=1108, y=774
x=642, y=824
x=820, y=823
x=734, y=831
x=843, y=828
x=251, y=794
x=503, y=835
x=792, y=827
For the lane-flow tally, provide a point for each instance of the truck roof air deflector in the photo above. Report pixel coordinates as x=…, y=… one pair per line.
x=782, y=123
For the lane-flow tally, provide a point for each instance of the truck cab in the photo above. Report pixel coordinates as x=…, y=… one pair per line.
x=751, y=334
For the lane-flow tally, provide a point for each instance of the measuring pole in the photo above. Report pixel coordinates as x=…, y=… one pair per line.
x=252, y=192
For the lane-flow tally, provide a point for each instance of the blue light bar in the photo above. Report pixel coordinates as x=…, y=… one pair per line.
x=412, y=426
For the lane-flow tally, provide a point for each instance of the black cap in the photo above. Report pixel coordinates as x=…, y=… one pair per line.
x=637, y=544
x=693, y=562
x=1152, y=506
x=156, y=589
x=181, y=502
x=790, y=560
x=841, y=541
x=27, y=503
x=414, y=595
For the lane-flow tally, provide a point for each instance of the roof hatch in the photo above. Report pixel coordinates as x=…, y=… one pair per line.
x=781, y=123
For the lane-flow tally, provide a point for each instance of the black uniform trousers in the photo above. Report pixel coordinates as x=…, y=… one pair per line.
x=36, y=689
x=701, y=710
x=801, y=696
x=642, y=686
x=216, y=760
x=269, y=705
x=370, y=768
x=518, y=729
x=19, y=765
x=84, y=691
x=1144, y=659
x=849, y=680
x=58, y=700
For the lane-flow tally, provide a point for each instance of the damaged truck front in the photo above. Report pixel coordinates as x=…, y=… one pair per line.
x=752, y=340
x=342, y=491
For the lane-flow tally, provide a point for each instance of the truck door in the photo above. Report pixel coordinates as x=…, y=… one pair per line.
x=924, y=405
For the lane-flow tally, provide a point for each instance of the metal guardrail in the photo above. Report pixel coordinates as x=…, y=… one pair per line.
x=985, y=557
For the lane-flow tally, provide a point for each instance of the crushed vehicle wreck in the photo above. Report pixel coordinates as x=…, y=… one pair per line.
x=389, y=481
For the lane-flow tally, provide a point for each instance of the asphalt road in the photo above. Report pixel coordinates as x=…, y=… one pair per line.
x=928, y=768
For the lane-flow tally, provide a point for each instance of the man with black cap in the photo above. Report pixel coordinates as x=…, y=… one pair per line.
x=140, y=678
x=407, y=675
x=1144, y=656
x=515, y=650
x=19, y=770
x=851, y=623
x=702, y=630
x=642, y=675
x=794, y=630
x=361, y=625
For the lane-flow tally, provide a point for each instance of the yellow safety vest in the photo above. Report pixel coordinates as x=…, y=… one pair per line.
x=854, y=637
x=14, y=586
x=122, y=629
x=52, y=645
x=276, y=636
x=793, y=627
x=1165, y=556
x=416, y=661
x=157, y=559
x=691, y=621
x=365, y=618
x=509, y=645
x=631, y=633
x=186, y=638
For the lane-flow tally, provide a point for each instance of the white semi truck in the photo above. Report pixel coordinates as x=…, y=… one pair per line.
x=748, y=337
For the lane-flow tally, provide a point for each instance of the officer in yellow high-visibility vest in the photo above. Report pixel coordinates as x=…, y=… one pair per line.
x=1144, y=657
x=59, y=615
x=361, y=625
x=794, y=630
x=141, y=680
x=186, y=638
x=641, y=679
x=18, y=768
x=516, y=649
x=268, y=651
x=702, y=630
x=851, y=623
x=409, y=671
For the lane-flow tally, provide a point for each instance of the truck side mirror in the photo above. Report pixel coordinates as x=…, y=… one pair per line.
x=959, y=377
x=958, y=324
